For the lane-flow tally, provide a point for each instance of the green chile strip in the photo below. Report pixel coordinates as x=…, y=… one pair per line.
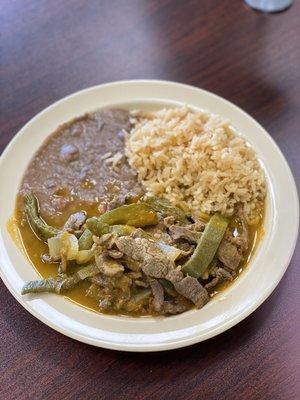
x=98, y=228
x=166, y=209
x=206, y=247
x=85, y=242
x=59, y=284
x=39, y=227
x=121, y=220
x=138, y=215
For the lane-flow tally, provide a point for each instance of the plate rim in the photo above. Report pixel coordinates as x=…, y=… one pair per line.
x=182, y=342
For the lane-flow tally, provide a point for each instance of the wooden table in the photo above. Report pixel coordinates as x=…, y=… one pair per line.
x=51, y=48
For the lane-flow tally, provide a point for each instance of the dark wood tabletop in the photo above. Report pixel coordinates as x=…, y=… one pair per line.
x=51, y=48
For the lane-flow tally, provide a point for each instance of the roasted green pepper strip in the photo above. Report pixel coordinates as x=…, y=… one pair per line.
x=50, y=285
x=166, y=209
x=138, y=215
x=39, y=227
x=98, y=228
x=59, y=284
x=85, y=242
x=206, y=247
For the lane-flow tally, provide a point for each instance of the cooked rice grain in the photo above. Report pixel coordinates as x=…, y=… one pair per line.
x=196, y=160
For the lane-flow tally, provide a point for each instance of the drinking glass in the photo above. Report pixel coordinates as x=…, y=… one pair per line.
x=269, y=5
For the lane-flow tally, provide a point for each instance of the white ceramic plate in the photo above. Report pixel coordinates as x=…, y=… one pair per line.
x=150, y=334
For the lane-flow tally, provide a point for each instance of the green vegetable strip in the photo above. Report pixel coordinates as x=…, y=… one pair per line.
x=138, y=215
x=98, y=228
x=85, y=242
x=166, y=208
x=59, y=284
x=206, y=247
x=39, y=227
x=51, y=285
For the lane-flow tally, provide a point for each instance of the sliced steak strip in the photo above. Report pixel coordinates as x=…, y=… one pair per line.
x=242, y=240
x=220, y=275
x=108, y=266
x=158, y=294
x=234, y=244
x=155, y=264
x=229, y=255
x=187, y=233
x=214, y=282
x=191, y=289
x=223, y=274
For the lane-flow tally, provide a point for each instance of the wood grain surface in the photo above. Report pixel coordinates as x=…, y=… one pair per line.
x=51, y=48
